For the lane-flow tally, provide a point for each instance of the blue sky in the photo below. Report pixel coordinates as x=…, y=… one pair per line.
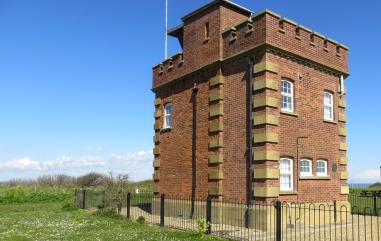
x=76, y=75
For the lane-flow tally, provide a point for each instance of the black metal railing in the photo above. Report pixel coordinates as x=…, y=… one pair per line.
x=366, y=199
x=258, y=221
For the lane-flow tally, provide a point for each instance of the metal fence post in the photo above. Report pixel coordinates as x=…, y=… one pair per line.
x=278, y=211
x=128, y=205
x=375, y=204
x=162, y=202
x=83, y=198
x=209, y=214
x=334, y=211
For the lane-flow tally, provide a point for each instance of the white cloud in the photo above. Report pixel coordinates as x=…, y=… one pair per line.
x=138, y=165
x=63, y=162
x=24, y=163
x=135, y=156
x=366, y=175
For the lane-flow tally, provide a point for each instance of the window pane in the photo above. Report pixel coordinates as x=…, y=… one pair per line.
x=285, y=174
x=321, y=168
x=168, y=115
x=168, y=109
x=328, y=98
x=328, y=106
x=286, y=87
x=287, y=95
x=305, y=166
x=285, y=166
x=285, y=181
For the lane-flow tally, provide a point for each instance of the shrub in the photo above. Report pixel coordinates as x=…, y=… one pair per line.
x=90, y=179
x=202, y=227
x=36, y=194
x=115, y=190
x=108, y=213
x=69, y=206
x=101, y=206
x=141, y=220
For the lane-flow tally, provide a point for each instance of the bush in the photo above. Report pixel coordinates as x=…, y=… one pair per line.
x=115, y=190
x=34, y=194
x=90, y=179
x=202, y=227
x=69, y=206
x=141, y=220
x=108, y=213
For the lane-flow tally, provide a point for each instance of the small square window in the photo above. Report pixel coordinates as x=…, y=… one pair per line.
x=305, y=168
x=321, y=168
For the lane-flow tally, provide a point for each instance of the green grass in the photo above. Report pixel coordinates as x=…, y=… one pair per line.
x=47, y=221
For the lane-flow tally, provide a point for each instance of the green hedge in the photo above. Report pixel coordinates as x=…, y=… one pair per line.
x=37, y=194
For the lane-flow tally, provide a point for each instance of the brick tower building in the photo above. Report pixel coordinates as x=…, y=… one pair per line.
x=252, y=109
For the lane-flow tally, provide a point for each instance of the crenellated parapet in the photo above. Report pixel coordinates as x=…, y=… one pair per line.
x=172, y=67
x=273, y=31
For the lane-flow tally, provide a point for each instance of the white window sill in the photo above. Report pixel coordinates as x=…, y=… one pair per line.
x=306, y=175
x=330, y=121
x=315, y=178
x=289, y=192
x=166, y=129
x=285, y=112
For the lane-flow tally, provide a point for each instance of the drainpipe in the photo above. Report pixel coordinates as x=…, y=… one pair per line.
x=250, y=134
x=297, y=161
x=194, y=126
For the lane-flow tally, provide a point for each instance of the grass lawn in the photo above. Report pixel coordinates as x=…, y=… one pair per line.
x=24, y=222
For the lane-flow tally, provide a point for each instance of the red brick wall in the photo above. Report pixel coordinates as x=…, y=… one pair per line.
x=176, y=144
x=323, y=137
x=298, y=61
x=235, y=131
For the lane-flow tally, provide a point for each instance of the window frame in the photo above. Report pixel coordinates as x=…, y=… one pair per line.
x=291, y=95
x=290, y=173
x=168, y=115
x=306, y=174
x=322, y=174
x=327, y=93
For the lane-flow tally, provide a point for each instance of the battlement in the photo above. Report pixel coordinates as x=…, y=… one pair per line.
x=265, y=29
x=274, y=30
x=173, y=63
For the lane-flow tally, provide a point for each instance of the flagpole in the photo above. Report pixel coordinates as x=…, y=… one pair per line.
x=166, y=29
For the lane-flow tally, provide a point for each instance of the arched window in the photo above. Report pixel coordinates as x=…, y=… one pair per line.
x=321, y=168
x=168, y=116
x=305, y=168
x=287, y=96
x=286, y=176
x=328, y=106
